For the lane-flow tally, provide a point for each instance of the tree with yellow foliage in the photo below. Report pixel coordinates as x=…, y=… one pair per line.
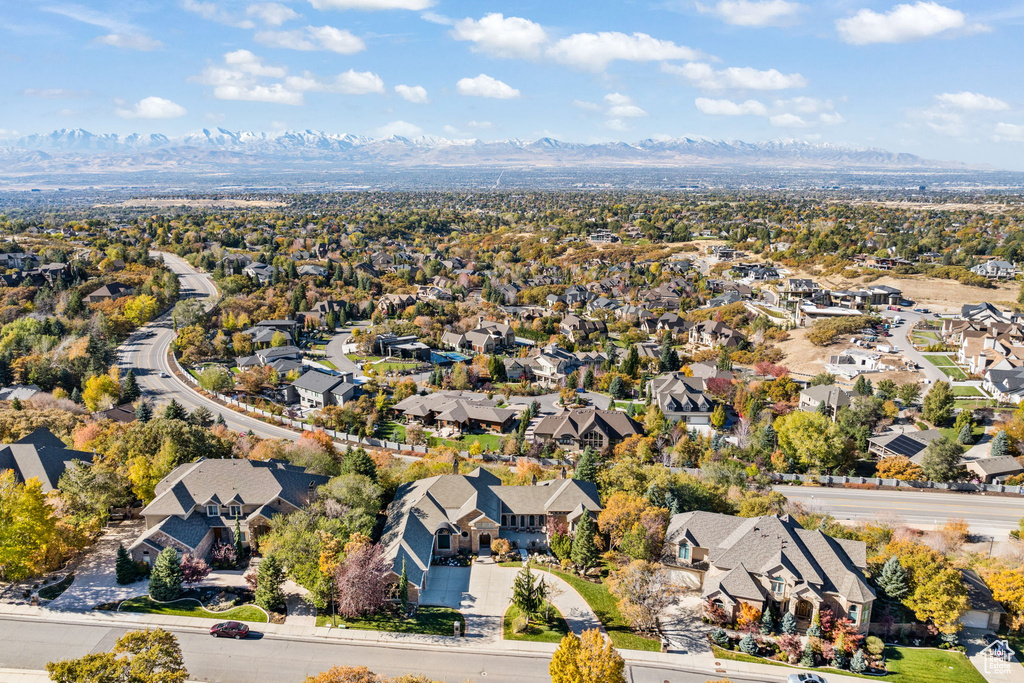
x=140, y=309
x=899, y=467
x=27, y=527
x=101, y=391
x=589, y=658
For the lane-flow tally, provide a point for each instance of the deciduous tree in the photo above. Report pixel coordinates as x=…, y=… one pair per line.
x=938, y=404
x=645, y=590
x=363, y=581
x=150, y=656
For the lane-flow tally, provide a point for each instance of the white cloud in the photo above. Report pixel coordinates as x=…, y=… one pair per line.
x=153, y=108
x=594, y=51
x=589, y=106
x=350, y=82
x=214, y=12
x=247, y=62
x=131, y=41
x=412, y=93
x=901, y=24
x=274, y=93
x=970, y=101
x=482, y=125
x=400, y=128
x=788, y=121
x=1009, y=132
x=313, y=38
x=502, y=36
x=616, y=124
x=271, y=13
x=485, y=86
x=754, y=12
x=55, y=93
x=705, y=76
x=729, y=108
x=435, y=18
x=372, y=4
x=805, y=105
x=621, y=107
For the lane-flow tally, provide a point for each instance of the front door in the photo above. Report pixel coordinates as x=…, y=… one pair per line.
x=485, y=540
x=218, y=534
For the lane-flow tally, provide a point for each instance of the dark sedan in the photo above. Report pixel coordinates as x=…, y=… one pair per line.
x=229, y=629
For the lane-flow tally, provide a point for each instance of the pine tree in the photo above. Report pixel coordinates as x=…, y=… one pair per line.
x=144, y=412
x=1000, y=445
x=220, y=422
x=859, y=663
x=124, y=567
x=403, y=589
x=768, y=620
x=892, y=581
x=631, y=365
x=966, y=435
x=130, y=391
x=201, y=416
x=174, y=411
x=358, y=461
x=584, y=550
x=814, y=631
x=769, y=438
x=788, y=626
x=239, y=546
x=617, y=388
x=748, y=645
x=165, y=581
x=525, y=595
x=665, y=359
x=269, y=577
x=808, y=657
x=586, y=466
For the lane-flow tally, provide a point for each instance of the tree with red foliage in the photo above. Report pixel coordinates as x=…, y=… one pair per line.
x=363, y=581
x=193, y=569
x=720, y=387
x=714, y=613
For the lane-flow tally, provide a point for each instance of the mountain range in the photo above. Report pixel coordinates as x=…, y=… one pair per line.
x=78, y=151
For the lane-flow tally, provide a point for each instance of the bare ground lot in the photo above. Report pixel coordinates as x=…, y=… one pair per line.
x=225, y=203
x=941, y=296
x=806, y=358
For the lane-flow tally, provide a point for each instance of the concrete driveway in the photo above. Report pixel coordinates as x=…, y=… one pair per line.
x=446, y=586
x=683, y=627
x=95, y=579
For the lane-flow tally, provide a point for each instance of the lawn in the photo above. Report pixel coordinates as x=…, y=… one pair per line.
x=606, y=608
x=392, y=365
x=391, y=431
x=434, y=621
x=967, y=391
x=326, y=363
x=190, y=607
x=490, y=442
x=361, y=359
x=940, y=361
x=905, y=665
x=54, y=590
x=953, y=434
x=927, y=336
x=538, y=631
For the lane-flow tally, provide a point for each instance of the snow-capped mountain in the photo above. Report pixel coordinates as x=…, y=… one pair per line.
x=70, y=150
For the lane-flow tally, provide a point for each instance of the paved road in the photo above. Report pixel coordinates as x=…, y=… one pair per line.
x=901, y=338
x=984, y=513
x=30, y=644
x=146, y=352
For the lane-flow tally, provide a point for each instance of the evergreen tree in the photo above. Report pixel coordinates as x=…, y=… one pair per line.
x=239, y=546
x=201, y=416
x=788, y=625
x=496, y=369
x=124, y=567
x=588, y=379
x=665, y=358
x=892, y=580
x=838, y=658
x=16, y=403
x=525, y=595
x=617, y=388
x=966, y=435
x=769, y=438
x=269, y=577
x=1000, y=444
x=584, y=550
x=814, y=631
x=76, y=395
x=631, y=365
x=403, y=589
x=165, y=581
x=768, y=620
x=220, y=422
x=174, y=411
x=586, y=466
x=144, y=411
x=807, y=659
x=130, y=391
x=859, y=663
x=863, y=386
x=748, y=645
x=358, y=461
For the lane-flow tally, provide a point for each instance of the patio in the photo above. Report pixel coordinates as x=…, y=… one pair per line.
x=526, y=540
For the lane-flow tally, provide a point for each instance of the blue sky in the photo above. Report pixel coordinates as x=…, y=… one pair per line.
x=938, y=78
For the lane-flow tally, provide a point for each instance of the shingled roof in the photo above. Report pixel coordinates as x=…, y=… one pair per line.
x=40, y=455
x=575, y=423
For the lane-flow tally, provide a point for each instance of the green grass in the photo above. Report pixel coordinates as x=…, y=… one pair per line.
x=975, y=404
x=967, y=391
x=905, y=665
x=940, y=361
x=326, y=363
x=953, y=434
x=361, y=359
x=538, y=631
x=54, y=590
x=606, y=608
x=490, y=442
x=1016, y=641
x=392, y=365
x=190, y=607
x=391, y=431
x=434, y=621
x=927, y=335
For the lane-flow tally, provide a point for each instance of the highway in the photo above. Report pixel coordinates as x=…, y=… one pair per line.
x=984, y=513
x=146, y=351
x=30, y=644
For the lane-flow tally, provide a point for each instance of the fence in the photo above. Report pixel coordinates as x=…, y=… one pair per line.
x=833, y=480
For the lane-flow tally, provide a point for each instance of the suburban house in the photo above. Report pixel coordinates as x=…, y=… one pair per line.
x=259, y=271
x=578, y=428
x=995, y=470
x=996, y=269
x=910, y=444
x=1007, y=386
x=710, y=334
x=22, y=392
x=682, y=398
x=769, y=561
x=457, y=412
x=319, y=389
x=579, y=329
x=983, y=611
x=115, y=290
x=553, y=364
x=40, y=455
x=833, y=398
x=200, y=503
x=489, y=337
x=443, y=515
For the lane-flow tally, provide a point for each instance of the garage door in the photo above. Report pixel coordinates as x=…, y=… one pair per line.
x=682, y=577
x=976, y=620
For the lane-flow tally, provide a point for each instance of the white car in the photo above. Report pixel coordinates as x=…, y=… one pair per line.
x=806, y=678
x=163, y=374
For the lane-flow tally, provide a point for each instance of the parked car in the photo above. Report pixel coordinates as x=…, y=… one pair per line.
x=806, y=678
x=229, y=629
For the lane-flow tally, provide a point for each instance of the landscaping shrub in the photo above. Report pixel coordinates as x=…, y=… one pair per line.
x=165, y=583
x=748, y=645
x=519, y=625
x=720, y=637
x=859, y=662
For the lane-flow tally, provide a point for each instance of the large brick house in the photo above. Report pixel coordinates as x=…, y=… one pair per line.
x=766, y=561
x=199, y=504
x=576, y=429
x=451, y=513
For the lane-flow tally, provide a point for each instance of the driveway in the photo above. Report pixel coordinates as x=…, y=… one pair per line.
x=683, y=627
x=95, y=580
x=900, y=337
x=488, y=596
x=446, y=586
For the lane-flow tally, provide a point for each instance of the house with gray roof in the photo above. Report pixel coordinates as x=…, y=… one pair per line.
x=447, y=514
x=682, y=398
x=769, y=561
x=833, y=398
x=40, y=455
x=576, y=429
x=318, y=389
x=457, y=411
x=200, y=503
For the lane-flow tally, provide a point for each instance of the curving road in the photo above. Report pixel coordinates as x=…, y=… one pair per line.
x=146, y=351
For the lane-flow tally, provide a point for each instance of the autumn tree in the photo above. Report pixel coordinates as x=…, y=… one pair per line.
x=363, y=581
x=140, y=309
x=1007, y=586
x=589, y=658
x=150, y=656
x=813, y=440
x=644, y=590
x=899, y=467
x=28, y=527
x=193, y=569
x=216, y=379
x=101, y=391
x=345, y=674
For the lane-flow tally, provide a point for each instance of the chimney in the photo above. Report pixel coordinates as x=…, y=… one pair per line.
x=455, y=465
x=534, y=480
x=561, y=472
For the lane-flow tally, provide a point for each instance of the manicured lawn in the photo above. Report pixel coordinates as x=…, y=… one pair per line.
x=190, y=607
x=391, y=365
x=538, y=631
x=940, y=361
x=54, y=590
x=927, y=336
x=361, y=359
x=490, y=442
x=391, y=431
x=326, y=363
x=950, y=432
x=435, y=621
x=974, y=404
x=606, y=608
x=967, y=391
x=905, y=665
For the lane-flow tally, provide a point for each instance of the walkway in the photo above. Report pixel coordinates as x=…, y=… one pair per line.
x=570, y=603
x=95, y=578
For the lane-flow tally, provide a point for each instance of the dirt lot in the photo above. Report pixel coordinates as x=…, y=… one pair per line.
x=806, y=358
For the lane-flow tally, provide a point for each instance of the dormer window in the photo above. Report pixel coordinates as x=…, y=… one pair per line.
x=778, y=585
x=684, y=552
x=236, y=510
x=212, y=510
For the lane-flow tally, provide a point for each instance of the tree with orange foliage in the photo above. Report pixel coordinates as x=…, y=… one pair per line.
x=749, y=619
x=345, y=674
